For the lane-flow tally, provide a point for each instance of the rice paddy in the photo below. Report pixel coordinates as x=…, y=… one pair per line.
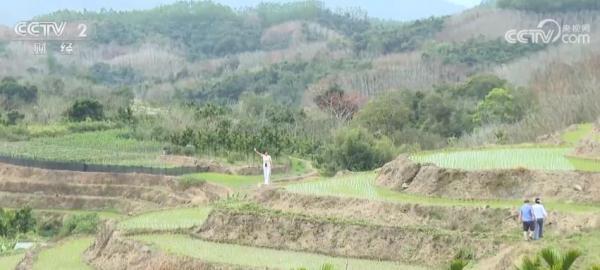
x=101, y=147
x=65, y=256
x=362, y=185
x=508, y=158
x=258, y=257
x=10, y=261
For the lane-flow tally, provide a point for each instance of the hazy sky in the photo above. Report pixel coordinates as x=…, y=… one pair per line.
x=12, y=11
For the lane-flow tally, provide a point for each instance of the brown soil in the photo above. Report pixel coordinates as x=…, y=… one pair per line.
x=17, y=200
x=41, y=188
x=589, y=147
x=113, y=251
x=461, y=219
x=403, y=174
x=299, y=233
x=29, y=259
x=214, y=166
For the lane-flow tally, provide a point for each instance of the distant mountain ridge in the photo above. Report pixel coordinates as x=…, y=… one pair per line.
x=403, y=10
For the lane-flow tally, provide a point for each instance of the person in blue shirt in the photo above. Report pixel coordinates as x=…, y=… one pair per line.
x=526, y=217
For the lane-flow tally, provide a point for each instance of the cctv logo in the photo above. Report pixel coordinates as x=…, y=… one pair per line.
x=40, y=30
x=550, y=31
x=542, y=34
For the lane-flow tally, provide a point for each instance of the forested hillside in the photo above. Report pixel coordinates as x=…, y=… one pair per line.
x=203, y=79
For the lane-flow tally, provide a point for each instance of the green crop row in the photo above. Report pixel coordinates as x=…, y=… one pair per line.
x=258, y=257
x=101, y=147
x=507, y=158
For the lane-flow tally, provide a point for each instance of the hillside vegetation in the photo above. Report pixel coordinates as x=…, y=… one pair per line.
x=205, y=80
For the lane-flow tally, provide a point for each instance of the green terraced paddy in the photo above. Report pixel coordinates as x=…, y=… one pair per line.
x=10, y=261
x=167, y=219
x=362, y=185
x=508, y=158
x=65, y=256
x=102, y=147
x=258, y=257
x=235, y=182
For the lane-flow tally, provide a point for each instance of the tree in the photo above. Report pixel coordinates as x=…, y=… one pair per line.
x=497, y=107
x=337, y=103
x=13, y=94
x=479, y=86
x=550, y=259
x=86, y=109
x=355, y=149
x=386, y=114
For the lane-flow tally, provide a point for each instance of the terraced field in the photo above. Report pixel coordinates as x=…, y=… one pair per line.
x=362, y=185
x=104, y=192
x=530, y=156
x=65, y=256
x=10, y=261
x=235, y=182
x=508, y=158
x=101, y=147
x=168, y=219
x=258, y=257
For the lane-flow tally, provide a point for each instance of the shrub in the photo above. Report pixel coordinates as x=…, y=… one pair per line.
x=355, y=149
x=23, y=220
x=48, y=226
x=549, y=258
x=80, y=224
x=14, y=222
x=86, y=109
x=13, y=117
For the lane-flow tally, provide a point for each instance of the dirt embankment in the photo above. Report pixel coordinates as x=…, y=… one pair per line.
x=338, y=238
x=84, y=190
x=453, y=218
x=589, y=147
x=403, y=174
x=113, y=251
x=214, y=166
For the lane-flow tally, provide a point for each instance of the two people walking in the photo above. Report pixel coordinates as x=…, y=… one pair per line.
x=532, y=216
x=266, y=166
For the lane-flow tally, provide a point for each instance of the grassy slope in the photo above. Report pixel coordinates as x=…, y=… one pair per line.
x=258, y=257
x=65, y=256
x=362, y=185
x=10, y=261
x=167, y=219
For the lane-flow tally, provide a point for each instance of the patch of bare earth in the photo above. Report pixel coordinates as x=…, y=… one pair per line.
x=589, y=147
x=405, y=175
x=411, y=245
x=41, y=188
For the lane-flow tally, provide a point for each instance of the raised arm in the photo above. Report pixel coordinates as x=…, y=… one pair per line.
x=259, y=153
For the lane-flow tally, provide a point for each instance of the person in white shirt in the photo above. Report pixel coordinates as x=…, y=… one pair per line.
x=539, y=214
x=266, y=166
